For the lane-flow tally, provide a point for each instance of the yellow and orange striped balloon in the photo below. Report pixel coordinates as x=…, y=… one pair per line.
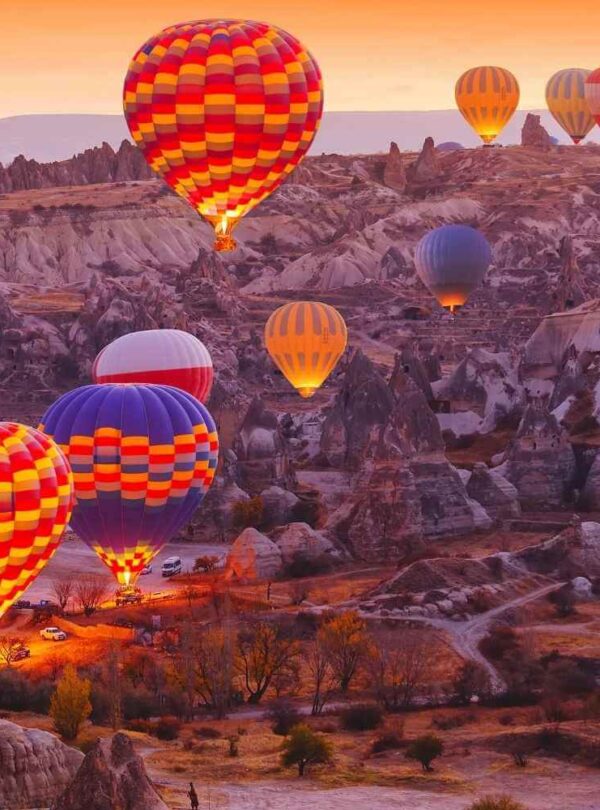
x=36, y=499
x=487, y=97
x=305, y=340
x=565, y=96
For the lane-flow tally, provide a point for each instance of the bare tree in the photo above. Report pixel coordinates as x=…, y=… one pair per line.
x=263, y=652
x=90, y=591
x=63, y=590
x=214, y=653
x=399, y=666
x=8, y=649
x=321, y=674
x=113, y=667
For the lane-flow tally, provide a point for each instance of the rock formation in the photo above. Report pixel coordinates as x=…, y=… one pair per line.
x=540, y=461
x=575, y=552
x=423, y=174
x=497, y=495
x=111, y=777
x=262, y=456
x=254, y=556
x=534, y=134
x=393, y=172
x=35, y=766
x=278, y=505
x=300, y=540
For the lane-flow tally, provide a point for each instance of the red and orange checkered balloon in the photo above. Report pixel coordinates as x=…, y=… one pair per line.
x=224, y=110
x=36, y=498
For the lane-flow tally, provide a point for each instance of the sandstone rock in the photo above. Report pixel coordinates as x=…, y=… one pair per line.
x=262, y=456
x=300, y=540
x=393, y=173
x=540, y=461
x=278, y=505
x=494, y=492
x=424, y=172
x=575, y=552
x=582, y=589
x=534, y=134
x=35, y=766
x=111, y=777
x=253, y=556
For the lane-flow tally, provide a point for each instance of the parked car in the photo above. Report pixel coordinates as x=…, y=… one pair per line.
x=22, y=604
x=53, y=634
x=171, y=566
x=147, y=569
x=20, y=652
x=128, y=595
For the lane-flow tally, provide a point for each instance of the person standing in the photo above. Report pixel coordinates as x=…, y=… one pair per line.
x=194, y=803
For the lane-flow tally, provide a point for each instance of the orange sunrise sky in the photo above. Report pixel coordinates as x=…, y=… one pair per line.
x=70, y=56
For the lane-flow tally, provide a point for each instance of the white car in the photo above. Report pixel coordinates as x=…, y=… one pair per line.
x=171, y=566
x=53, y=634
x=147, y=569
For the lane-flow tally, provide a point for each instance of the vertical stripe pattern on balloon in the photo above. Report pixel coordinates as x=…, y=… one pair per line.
x=487, y=97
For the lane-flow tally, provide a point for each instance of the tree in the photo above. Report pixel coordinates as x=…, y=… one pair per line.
x=304, y=747
x=345, y=642
x=471, y=680
x=113, y=667
x=321, y=675
x=63, y=589
x=399, y=666
x=248, y=513
x=425, y=749
x=90, y=591
x=497, y=803
x=263, y=653
x=70, y=704
x=206, y=563
x=214, y=669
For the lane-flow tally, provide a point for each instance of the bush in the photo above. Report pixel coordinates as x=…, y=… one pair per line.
x=425, y=749
x=496, y=803
x=446, y=722
x=499, y=642
x=363, y=717
x=139, y=703
x=207, y=733
x=388, y=741
x=167, y=728
x=18, y=693
x=284, y=716
x=248, y=513
x=303, y=747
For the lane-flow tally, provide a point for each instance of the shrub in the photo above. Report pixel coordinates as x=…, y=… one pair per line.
x=18, y=693
x=499, y=642
x=425, y=749
x=167, y=728
x=304, y=747
x=446, y=722
x=207, y=733
x=496, y=803
x=70, y=704
x=388, y=741
x=248, y=513
x=363, y=717
x=284, y=716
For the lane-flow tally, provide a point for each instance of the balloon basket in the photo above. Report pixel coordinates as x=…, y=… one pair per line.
x=224, y=242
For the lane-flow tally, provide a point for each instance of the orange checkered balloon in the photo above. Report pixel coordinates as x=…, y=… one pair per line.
x=224, y=110
x=36, y=498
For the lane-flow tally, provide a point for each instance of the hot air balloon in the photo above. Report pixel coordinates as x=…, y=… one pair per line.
x=305, y=340
x=224, y=110
x=487, y=98
x=143, y=457
x=451, y=261
x=160, y=356
x=592, y=94
x=565, y=96
x=36, y=497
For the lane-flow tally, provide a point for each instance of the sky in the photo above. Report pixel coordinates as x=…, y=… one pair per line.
x=70, y=56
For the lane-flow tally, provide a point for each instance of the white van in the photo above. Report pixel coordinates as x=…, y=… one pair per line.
x=171, y=566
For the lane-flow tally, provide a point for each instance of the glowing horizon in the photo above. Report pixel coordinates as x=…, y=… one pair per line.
x=71, y=57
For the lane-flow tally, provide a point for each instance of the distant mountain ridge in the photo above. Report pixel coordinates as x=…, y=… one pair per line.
x=58, y=137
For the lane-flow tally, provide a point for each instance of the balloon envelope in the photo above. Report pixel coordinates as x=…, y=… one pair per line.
x=305, y=340
x=487, y=97
x=224, y=110
x=565, y=96
x=36, y=497
x=451, y=261
x=143, y=457
x=159, y=356
x=592, y=94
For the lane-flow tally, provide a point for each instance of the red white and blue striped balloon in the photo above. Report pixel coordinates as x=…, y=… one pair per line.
x=157, y=356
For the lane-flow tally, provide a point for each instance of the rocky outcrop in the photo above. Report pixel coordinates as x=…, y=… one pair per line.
x=393, y=172
x=497, y=495
x=278, y=505
x=111, y=777
x=540, y=461
x=534, y=134
x=101, y=164
x=575, y=552
x=260, y=447
x=35, y=766
x=254, y=556
x=423, y=174
x=300, y=540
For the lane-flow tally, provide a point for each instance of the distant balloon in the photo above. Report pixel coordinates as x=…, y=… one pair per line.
x=159, y=356
x=451, y=261
x=449, y=146
x=565, y=96
x=487, y=98
x=592, y=94
x=305, y=340
x=224, y=110
x=143, y=457
x=36, y=498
